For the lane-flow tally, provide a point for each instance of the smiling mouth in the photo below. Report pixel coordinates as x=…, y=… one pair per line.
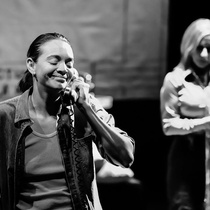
x=59, y=78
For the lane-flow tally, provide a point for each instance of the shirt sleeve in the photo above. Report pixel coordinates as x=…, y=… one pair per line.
x=172, y=121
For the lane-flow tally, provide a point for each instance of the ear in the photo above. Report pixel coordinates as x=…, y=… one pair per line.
x=30, y=66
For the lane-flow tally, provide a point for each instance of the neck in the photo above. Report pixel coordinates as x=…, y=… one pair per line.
x=200, y=71
x=44, y=106
x=202, y=74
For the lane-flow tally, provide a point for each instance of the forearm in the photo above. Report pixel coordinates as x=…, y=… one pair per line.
x=177, y=126
x=118, y=147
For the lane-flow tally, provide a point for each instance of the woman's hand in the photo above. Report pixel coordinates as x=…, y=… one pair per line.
x=78, y=89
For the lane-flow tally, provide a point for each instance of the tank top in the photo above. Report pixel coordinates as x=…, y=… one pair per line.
x=44, y=186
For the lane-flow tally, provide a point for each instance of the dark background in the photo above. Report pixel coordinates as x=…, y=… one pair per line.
x=141, y=119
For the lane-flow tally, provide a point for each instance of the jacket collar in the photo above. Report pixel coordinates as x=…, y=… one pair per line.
x=22, y=108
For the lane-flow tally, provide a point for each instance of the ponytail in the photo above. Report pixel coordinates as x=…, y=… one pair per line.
x=26, y=82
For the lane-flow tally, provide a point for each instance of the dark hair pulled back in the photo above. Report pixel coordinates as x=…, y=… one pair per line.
x=34, y=52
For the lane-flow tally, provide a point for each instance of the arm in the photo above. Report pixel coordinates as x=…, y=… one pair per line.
x=117, y=146
x=172, y=122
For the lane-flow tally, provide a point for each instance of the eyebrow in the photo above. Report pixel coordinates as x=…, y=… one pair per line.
x=58, y=57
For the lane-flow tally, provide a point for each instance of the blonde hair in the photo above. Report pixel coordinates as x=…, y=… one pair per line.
x=191, y=39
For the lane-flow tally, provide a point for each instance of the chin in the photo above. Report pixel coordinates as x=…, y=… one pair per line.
x=202, y=64
x=60, y=85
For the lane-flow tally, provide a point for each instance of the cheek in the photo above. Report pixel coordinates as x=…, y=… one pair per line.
x=201, y=63
x=44, y=69
x=195, y=58
x=42, y=74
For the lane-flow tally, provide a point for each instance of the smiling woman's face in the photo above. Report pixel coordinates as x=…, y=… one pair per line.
x=54, y=67
x=201, y=56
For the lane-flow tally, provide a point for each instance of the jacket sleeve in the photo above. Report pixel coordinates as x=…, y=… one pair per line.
x=111, y=140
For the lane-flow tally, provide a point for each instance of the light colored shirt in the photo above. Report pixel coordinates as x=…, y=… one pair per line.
x=45, y=186
x=184, y=102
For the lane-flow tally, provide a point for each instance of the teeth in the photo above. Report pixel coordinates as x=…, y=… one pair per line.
x=60, y=77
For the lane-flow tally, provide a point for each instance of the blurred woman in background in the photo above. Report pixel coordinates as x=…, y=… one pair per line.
x=185, y=112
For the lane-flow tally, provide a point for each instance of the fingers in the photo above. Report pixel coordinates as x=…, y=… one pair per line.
x=79, y=89
x=74, y=96
x=75, y=73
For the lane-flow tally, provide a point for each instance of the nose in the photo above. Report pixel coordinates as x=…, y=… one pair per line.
x=62, y=68
x=204, y=53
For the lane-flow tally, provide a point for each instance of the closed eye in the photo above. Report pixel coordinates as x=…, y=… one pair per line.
x=53, y=60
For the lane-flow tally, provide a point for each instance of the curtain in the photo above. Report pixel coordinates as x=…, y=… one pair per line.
x=121, y=43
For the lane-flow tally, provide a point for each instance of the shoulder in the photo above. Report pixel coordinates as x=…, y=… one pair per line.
x=176, y=77
x=95, y=103
x=8, y=105
x=100, y=110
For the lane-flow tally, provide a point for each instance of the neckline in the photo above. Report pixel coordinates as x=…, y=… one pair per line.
x=44, y=135
x=203, y=84
x=47, y=129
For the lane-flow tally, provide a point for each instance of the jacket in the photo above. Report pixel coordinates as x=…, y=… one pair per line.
x=78, y=158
